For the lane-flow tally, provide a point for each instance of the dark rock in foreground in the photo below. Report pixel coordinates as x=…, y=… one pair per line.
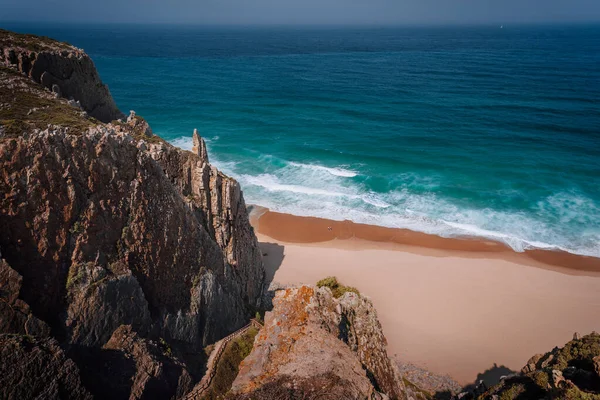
x=37, y=369
x=570, y=372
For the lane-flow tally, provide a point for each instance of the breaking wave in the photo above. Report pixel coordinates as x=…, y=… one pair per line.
x=336, y=192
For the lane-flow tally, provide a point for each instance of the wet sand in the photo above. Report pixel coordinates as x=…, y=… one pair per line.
x=455, y=306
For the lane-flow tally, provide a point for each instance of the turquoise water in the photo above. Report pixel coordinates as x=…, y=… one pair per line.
x=453, y=131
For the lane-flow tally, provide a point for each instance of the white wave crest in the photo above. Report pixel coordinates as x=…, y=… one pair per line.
x=319, y=191
x=271, y=183
x=337, y=171
x=184, y=143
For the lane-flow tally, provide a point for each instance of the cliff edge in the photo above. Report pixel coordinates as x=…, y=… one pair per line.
x=63, y=69
x=314, y=345
x=118, y=251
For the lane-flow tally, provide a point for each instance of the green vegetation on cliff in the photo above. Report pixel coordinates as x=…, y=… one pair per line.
x=25, y=105
x=337, y=289
x=31, y=42
x=571, y=372
x=229, y=363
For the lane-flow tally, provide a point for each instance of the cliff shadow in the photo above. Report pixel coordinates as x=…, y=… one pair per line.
x=272, y=255
x=106, y=373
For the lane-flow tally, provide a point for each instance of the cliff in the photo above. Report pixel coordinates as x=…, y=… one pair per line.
x=118, y=251
x=61, y=68
x=314, y=344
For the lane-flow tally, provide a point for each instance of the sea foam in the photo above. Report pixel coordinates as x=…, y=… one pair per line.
x=337, y=171
x=330, y=192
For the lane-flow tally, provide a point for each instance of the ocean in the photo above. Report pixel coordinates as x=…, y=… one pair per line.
x=453, y=131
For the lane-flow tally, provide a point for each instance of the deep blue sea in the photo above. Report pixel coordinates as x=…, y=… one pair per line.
x=452, y=131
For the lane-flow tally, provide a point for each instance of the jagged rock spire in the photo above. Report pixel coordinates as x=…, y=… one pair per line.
x=199, y=147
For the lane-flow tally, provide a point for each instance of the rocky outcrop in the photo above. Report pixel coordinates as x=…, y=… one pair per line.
x=105, y=225
x=569, y=372
x=442, y=385
x=37, y=369
x=312, y=340
x=61, y=68
x=102, y=215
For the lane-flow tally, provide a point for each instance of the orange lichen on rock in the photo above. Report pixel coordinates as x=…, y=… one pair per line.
x=306, y=337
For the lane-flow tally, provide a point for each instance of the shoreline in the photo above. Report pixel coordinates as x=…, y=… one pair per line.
x=347, y=234
x=468, y=308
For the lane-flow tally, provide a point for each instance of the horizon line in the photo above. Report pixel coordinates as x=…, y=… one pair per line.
x=310, y=25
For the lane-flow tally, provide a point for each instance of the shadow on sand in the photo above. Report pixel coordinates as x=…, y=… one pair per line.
x=491, y=376
x=273, y=256
x=484, y=380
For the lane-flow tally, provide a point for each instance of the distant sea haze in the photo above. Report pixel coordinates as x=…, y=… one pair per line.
x=483, y=131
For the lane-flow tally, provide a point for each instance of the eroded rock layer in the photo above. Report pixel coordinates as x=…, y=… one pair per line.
x=111, y=239
x=313, y=341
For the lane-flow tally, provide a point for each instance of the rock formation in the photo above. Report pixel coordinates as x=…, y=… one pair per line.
x=314, y=343
x=112, y=240
x=570, y=372
x=62, y=68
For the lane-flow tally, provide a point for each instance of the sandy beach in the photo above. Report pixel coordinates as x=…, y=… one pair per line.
x=455, y=306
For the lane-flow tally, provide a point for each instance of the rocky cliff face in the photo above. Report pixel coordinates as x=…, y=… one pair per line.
x=570, y=372
x=105, y=225
x=32, y=368
x=60, y=67
x=99, y=218
x=314, y=343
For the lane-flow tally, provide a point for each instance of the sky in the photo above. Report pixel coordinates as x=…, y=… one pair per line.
x=302, y=12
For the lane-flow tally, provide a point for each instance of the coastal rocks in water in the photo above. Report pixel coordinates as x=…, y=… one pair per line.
x=312, y=341
x=61, y=68
x=33, y=368
x=564, y=373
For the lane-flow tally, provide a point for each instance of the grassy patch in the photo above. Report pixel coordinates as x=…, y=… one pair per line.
x=513, y=392
x=76, y=228
x=31, y=42
x=259, y=316
x=578, y=353
x=26, y=106
x=574, y=360
x=228, y=366
x=336, y=287
x=166, y=349
x=76, y=273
